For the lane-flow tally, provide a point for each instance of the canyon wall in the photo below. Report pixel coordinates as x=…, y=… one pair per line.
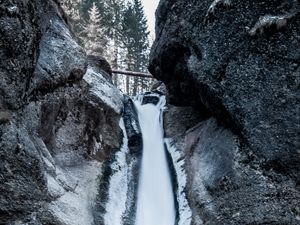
x=232, y=67
x=59, y=119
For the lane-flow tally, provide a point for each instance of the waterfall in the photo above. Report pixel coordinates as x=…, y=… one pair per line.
x=155, y=202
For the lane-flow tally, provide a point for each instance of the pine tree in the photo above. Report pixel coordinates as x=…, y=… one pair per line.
x=135, y=41
x=86, y=5
x=71, y=7
x=95, y=41
x=112, y=19
x=115, y=30
x=73, y=10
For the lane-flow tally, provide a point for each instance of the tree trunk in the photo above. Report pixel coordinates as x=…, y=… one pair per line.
x=127, y=86
x=115, y=58
x=135, y=86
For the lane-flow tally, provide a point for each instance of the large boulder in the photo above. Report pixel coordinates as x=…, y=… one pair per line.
x=59, y=119
x=237, y=61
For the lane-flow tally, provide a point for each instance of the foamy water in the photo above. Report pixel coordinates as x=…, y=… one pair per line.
x=155, y=203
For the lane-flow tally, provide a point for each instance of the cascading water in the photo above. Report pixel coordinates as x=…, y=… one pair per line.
x=155, y=202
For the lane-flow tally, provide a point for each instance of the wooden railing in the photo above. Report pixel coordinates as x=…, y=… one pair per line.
x=134, y=74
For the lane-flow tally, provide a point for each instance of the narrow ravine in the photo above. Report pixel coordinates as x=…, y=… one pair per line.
x=155, y=202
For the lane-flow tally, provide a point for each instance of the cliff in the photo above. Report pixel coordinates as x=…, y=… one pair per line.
x=237, y=64
x=59, y=118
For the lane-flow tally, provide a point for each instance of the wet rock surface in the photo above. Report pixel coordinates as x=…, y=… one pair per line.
x=135, y=147
x=177, y=120
x=222, y=188
x=59, y=119
x=235, y=63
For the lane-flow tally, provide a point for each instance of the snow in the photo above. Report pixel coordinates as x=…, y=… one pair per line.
x=185, y=214
x=135, y=126
x=13, y=9
x=104, y=90
x=54, y=188
x=212, y=8
x=74, y=206
x=116, y=204
x=267, y=21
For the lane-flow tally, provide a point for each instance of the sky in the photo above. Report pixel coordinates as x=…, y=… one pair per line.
x=150, y=7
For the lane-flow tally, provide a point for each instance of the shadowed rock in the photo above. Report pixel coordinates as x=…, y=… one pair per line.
x=56, y=129
x=206, y=55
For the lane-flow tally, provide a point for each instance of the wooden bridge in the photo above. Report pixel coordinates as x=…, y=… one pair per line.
x=134, y=74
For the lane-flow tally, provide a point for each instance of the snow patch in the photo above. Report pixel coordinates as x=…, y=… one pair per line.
x=118, y=188
x=217, y=3
x=104, y=90
x=185, y=213
x=74, y=207
x=54, y=188
x=267, y=21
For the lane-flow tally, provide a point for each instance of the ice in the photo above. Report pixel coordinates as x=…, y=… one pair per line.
x=185, y=213
x=116, y=204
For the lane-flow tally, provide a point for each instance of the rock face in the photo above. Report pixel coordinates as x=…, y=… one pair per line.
x=237, y=61
x=59, y=118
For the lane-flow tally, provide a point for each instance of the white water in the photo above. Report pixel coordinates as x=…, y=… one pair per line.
x=155, y=203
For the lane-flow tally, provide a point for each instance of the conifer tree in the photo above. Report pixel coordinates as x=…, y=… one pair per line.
x=72, y=7
x=73, y=10
x=135, y=41
x=86, y=5
x=95, y=40
x=112, y=20
x=115, y=30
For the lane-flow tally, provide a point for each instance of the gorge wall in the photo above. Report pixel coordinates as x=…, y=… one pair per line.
x=59, y=119
x=232, y=72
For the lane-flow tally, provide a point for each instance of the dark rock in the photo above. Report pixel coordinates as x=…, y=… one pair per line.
x=19, y=40
x=101, y=63
x=224, y=190
x=177, y=120
x=23, y=185
x=159, y=86
x=5, y=116
x=249, y=83
x=61, y=59
x=59, y=119
x=150, y=100
x=133, y=159
x=231, y=59
x=152, y=97
x=131, y=120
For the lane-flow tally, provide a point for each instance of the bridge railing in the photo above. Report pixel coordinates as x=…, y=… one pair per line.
x=132, y=73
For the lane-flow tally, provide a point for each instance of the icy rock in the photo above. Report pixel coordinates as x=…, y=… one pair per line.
x=59, y=129
x=103, y=90
x=75, y=206
x=177, y=155
x=61, y=59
